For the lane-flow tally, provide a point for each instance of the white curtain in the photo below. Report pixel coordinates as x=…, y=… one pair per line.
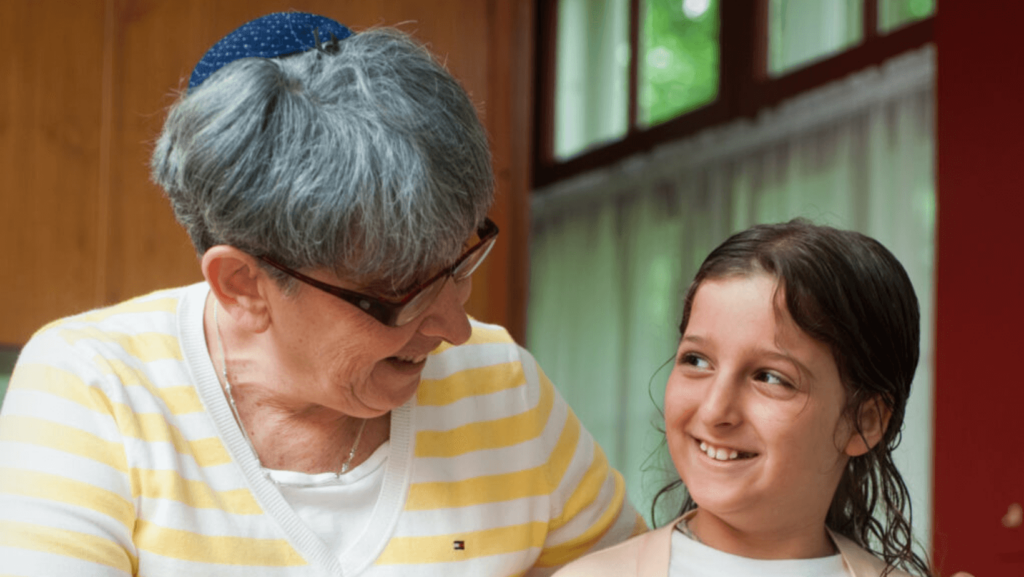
x=613, y=251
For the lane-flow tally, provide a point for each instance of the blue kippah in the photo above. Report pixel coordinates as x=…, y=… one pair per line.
x=269, y=36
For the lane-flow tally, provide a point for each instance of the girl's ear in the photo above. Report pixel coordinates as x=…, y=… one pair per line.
x=873, y=418
x=238, y=284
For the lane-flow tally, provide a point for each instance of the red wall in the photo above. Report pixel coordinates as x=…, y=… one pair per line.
x=979, y=457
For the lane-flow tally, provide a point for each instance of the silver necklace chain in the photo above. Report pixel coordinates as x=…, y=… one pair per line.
x=234, y=408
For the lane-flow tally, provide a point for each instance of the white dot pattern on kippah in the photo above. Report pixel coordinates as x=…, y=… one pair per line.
x=269, y=36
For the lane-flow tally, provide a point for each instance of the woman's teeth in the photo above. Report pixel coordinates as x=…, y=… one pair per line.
x=413, y=360
x=722, y=454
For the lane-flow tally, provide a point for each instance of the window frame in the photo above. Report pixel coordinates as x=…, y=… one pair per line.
x=745, y=88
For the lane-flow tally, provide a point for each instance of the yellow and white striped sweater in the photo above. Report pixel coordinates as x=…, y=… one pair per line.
x=119, y=455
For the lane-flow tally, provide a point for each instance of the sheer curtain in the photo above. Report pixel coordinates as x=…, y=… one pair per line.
x=614, y=250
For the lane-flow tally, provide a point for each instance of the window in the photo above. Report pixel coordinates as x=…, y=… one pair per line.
x=893, y=14
x=616, y=77
x=679, y=63
x=803, y=31
x=676, y=73
x=592, y=87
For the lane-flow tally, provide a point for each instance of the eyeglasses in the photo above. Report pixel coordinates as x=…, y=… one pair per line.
x=419, y=299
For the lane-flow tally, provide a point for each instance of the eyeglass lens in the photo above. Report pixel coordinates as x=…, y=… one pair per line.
x=426, y=297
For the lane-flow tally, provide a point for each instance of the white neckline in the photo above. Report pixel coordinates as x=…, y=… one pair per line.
x=393, y=494
x=299, y=480
x=687, y=552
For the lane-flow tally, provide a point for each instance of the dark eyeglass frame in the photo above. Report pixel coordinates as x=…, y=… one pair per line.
x=387, y=311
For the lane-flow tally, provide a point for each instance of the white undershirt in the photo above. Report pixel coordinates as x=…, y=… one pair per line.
x=336, y=508
x=692, y=559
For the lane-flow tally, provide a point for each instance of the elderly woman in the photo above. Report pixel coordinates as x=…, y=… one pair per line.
x=321, y=405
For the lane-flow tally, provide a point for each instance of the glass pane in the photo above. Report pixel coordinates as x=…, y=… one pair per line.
x=803, y=31
x=679, y=61
x=895, y=13
x=592, y=74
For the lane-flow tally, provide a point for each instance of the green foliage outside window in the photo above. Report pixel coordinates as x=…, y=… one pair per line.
x=679, y=58
x=895, y=13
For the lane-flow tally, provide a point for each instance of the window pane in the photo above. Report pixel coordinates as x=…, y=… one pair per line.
x=592, y=69
x=895, y=13
x=803, y=31
x=679, y=62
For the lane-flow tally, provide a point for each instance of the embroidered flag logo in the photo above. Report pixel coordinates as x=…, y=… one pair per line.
x=459, y=545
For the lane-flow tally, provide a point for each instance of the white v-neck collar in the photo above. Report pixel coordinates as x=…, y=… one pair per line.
x=393, y=494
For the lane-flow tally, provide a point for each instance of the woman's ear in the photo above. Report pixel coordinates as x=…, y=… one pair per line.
x=873, y=418
x=238, y=284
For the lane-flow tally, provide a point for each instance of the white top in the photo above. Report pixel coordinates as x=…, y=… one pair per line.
x=692, y=559
x=337, y=508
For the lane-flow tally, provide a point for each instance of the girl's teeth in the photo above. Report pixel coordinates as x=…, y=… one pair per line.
x=719, y=454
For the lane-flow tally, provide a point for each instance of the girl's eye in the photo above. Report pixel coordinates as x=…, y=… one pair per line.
x=772, y=379
x=694, y=360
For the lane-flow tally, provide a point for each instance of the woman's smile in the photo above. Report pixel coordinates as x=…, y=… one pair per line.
x=413, y=357
x=409, y=365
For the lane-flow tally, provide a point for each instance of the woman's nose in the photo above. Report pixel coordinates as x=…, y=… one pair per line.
x=446, y=317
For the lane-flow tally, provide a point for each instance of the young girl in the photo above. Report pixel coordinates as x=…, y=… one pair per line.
x=798, y=346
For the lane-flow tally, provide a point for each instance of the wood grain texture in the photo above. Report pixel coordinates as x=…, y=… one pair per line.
x=51, y=65
x=510, y=76
x=81, y=219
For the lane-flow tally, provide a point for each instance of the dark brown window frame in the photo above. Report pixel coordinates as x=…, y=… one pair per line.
x=744, y=85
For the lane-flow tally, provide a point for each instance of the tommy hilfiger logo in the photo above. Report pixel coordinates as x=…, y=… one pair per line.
x=459, y=545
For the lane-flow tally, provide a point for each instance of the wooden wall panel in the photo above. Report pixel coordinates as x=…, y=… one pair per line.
x=147, y=249
x=51, y=55
x=120, y=223
x=505, y=284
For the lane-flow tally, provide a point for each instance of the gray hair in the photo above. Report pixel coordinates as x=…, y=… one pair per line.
x=365, y=157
